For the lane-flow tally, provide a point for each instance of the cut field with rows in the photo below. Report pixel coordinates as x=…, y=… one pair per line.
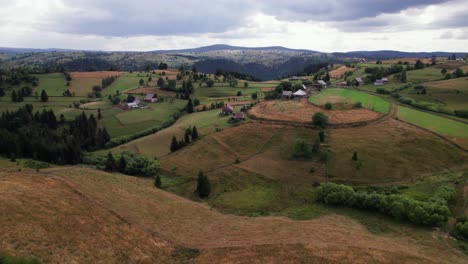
x=82, y=82
x=454, y=130
x=302, y=112
x=338, y=73
x=368, y=101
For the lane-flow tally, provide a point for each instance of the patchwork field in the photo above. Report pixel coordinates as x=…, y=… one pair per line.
x=334, y=95
x=157, y=145
x=143, y=224
x=454, y=130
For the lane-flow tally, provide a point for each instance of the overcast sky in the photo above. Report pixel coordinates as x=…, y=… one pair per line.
x=323, y=25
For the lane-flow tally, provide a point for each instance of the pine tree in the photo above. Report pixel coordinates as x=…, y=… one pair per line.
x=44, y=97
x=187, y=137
x=157, y=182
x=203, y=185
x=322, y=136
x=99, y=115
x=403, y=77
x=355, y=156
x=194, y=133
x=105, y=136
x=189, y=106
x=110, y=162
x=13, y=96
x=122, y=164
x=174, y=144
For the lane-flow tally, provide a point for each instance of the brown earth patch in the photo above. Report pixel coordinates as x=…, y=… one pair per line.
x=96, y=74
x=159, y=92
x=302, y=112
x=338, y=73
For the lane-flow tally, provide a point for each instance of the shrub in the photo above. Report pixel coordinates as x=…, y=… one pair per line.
x=301, y=150
x=431, y=213
x=203, y=185
x=319, y=119
x=357, y=105
x=328, y=106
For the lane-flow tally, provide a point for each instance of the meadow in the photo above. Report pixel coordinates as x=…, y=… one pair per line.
x=368, y=101
x=53, y=83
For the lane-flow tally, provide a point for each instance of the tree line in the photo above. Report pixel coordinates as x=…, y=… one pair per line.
x=434, y=212
x=40, y=136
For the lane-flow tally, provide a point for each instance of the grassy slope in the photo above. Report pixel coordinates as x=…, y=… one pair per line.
x=434, y=123
x=52, y=83
x=369, y=101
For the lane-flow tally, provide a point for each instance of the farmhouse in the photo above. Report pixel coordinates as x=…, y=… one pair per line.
x=227, y=109
x=134, y=104
x=238, y=116
x=300, y=94
x=151, y=98
x=359, y=81
x=378, y=83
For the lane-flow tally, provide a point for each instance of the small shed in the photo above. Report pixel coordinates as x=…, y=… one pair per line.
x=238, y=116
x=322, y=83
x=287, y=94
x=134, y=104
x=227, y=109
x=359, y=81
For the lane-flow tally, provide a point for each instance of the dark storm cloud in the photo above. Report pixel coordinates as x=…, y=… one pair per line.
x=182, y=17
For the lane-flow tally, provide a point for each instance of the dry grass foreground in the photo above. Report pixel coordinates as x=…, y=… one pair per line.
x=302, y=112
x=75, y=223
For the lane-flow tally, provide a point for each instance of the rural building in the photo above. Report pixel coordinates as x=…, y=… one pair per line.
x=134, y=104
x=287, y=94
x=378, y=83
x=227, y=109
x=300, y=94
x=359, y=81
x=322, y=83
x=238, y=116
x=294, y=78
x=150, y=98
x=384, y=80
x=343, y=84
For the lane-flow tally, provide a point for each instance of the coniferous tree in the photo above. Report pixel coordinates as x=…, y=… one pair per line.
x=189, y=106
x=187, y=137
x=99, y=115
x=403, y=77
x=13, y=96
x=355, y=156
x=322, y=136
x=110, y=162
x=122, y=164
x=157, y=182
x=194, y=133
x=203, y=185
x=105, y=136
x=44, y=96
x=174, y=144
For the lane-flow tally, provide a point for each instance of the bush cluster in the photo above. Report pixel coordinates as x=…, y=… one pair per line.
x=125, y=162
x=432, y=213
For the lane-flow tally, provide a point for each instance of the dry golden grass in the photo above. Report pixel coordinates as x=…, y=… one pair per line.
x=302, y=112
x=338, y=73
x=82, y=82
x=78, y=215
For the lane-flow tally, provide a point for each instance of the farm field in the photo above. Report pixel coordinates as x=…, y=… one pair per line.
x=127, y=203
x=338, y=73
x=424, y=75
x=53, y=83
x=389, y=151
x=348, y=95
x=157, y=145
x=456, y=131
x=123, y=84
x=83, y=82
x=302, y=112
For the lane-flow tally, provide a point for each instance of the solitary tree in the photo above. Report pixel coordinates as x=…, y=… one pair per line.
x=443, y=71
x=99, y=115
x=174, y=144
x=246, y=84
x=142, y=82
x=403, y=77
x=355, y=156
x=210, y=83
x=160, y=82
x=44, y=97
x=157, y=181
x=189, y=106
x=194, y=133
x=254, y=96
x=319, y=119
x=419, y=65
x=203, y=185
x=458, y=73
x=322, y=136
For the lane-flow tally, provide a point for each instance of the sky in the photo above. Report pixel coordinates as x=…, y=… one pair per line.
x=328, y=26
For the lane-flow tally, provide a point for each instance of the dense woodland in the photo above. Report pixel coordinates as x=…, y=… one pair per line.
x=39, y=135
